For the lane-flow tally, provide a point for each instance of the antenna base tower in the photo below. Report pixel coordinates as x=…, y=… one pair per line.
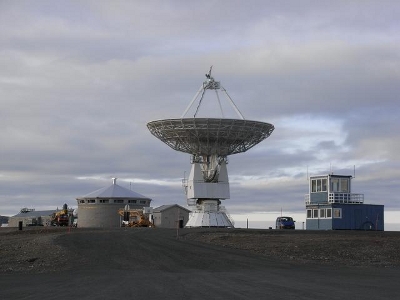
x=201, y=218
x=204, y=193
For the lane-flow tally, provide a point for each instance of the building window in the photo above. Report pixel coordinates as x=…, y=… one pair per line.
x=322, y=213
x=344, y=185
x=334, y=185
x=337, y=213
x=132, y=201
x=91, y=201
x=81, y=201
x=142, y=201
x=323, y=185
x=118, y=201
x=318, y=185
x=104, y=201
x=313, y=186
x=340, y=185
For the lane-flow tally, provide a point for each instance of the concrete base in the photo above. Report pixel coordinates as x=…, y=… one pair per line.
x=208, y=219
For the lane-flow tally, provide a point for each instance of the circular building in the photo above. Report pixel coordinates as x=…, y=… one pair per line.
x=100, y=208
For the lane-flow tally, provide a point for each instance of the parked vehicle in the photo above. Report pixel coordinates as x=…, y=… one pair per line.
x=285, y=223
x=61, y=217
x=134, y=218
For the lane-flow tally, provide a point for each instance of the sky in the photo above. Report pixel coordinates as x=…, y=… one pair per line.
x=79, y=81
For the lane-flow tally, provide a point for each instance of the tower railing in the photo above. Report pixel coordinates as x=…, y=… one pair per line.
x=347, y=198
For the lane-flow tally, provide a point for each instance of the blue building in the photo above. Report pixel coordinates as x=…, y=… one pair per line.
x=330, y=205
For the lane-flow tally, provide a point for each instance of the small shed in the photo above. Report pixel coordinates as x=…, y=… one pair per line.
x=170, y=216
x=31, y=218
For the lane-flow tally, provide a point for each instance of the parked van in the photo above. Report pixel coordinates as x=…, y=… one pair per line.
x=285, y=223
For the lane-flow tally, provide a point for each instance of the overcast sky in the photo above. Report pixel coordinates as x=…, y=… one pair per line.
x=79, y=81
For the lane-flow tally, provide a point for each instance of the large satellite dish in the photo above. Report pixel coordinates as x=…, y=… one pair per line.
x=209, y=141
x=210, y=136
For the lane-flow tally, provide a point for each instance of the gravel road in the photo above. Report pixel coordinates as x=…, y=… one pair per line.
x=149, y=263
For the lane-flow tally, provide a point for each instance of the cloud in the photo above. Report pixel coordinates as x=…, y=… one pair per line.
x=80, y=81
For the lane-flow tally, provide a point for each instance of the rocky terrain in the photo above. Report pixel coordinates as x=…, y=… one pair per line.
x=38, y=250
x=31, y=250
x=351, y=248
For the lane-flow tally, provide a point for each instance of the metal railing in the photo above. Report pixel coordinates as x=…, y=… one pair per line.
x=307, y=198
x=340, y=198
x=345, y=198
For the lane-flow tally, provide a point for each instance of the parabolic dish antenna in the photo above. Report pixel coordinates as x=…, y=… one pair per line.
x=209, y=141
x=210, y=136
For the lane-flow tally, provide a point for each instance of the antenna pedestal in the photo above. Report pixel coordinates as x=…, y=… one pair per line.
x=204, y=218
x=205, y=198
x=198, y=188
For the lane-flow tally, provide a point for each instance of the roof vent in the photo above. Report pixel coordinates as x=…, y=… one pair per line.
x=114, y=180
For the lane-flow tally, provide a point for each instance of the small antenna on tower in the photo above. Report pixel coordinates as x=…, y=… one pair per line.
x=307, y=173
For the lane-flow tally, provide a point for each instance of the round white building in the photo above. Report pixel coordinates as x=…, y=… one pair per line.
x=100, y=208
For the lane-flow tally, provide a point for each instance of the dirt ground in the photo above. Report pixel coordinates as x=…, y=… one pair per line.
x=157, y=263
x=351, y=248
x=36, y=250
